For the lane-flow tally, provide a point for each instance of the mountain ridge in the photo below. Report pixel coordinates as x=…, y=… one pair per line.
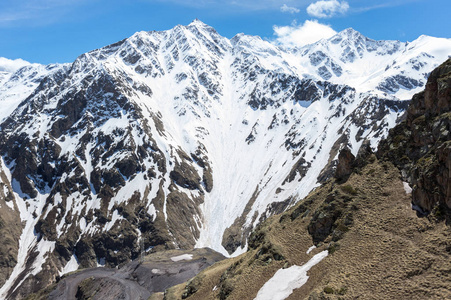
x=153, y=138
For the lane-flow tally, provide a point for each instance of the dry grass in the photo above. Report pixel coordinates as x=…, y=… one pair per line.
x=387, y=251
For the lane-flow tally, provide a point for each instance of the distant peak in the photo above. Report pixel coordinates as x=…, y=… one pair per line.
x=350, y=32
x=245, y=37
x=197, y=22
x=201, y=26
x=350, y=35
x=425, y=37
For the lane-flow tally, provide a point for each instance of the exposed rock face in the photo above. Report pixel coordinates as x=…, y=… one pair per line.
x=435, y=100
x=420, y=146
x=345, y=164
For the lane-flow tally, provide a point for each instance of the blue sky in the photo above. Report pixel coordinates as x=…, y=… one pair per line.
x=47, y=31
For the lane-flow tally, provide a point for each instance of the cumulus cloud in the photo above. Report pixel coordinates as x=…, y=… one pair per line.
x=327, y=8
x=288, y=9
x=10, y=65
x=302, y=34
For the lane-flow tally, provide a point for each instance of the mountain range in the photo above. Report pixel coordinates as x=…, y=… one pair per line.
x=183, y=138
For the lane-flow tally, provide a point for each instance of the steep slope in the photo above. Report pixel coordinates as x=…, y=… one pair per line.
x=18, y=79
x=420, y=146
x=359, y=235
x=10, y=228
x=174, y=139
x=377, y=247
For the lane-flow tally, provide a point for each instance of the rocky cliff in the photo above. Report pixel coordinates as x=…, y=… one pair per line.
x=420, y=146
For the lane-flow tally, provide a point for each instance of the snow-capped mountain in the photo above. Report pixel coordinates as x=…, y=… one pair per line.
x=391, y=67
x=18, y=79
x=184, y=138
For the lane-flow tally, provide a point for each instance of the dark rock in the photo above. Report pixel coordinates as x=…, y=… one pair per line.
x=236, y=235
x=185, y=176
x=317, y=57
x=128, y=166
x=182, y=213
x=85, y=253
x=324, y=72
x=395, y=83
x=345, y=165
x=300, y=168
x=420, y=146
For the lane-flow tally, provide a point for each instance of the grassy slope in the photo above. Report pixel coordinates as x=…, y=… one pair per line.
x=10, y=229
x=381, y=250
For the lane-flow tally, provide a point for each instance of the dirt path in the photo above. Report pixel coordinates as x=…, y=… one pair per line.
x=67, y=288
x=136, y=280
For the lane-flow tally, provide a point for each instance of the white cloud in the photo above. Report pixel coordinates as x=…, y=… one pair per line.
x=288, y=9
x=302, y=34
x=9, y=65
x=327, y=8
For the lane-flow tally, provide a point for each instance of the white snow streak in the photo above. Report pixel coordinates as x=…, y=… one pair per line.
x=310, y=249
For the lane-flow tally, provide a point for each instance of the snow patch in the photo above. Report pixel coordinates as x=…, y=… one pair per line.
x=10, y=204
x=182, y=257
x=284, y=281
x=72, y=265
x=407, y=187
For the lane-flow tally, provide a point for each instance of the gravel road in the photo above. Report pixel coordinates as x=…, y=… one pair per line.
x=136, y=280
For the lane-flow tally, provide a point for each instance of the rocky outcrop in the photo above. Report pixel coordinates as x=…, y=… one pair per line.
x=421, y=145
x=435, y=100
x=236, y=235
x=345, y=164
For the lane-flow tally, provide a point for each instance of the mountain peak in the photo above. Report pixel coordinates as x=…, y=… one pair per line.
x=351, y=33
x=196, y=21
x=199, y=24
